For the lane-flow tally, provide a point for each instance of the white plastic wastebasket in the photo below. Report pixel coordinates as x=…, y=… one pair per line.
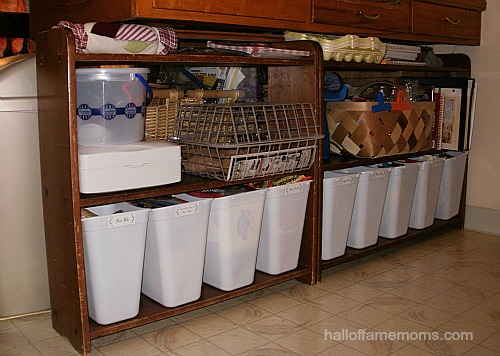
x=426, y=192
x=175, y=252
x=282, y=225
x=233, y=239
x=398, y=201
x=452, y=180
x=368, y=205
x=114, y=244
x=339, y=192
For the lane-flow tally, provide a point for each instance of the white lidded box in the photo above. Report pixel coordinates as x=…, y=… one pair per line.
x=282, y=225
x=368, y=205
x=175, y=252
x=114, y=242
x=426, y=192
x=233, y=239
x=339, y=192
x=110, y=105
x=450, y=191
x=135, y=165
x=398, y=201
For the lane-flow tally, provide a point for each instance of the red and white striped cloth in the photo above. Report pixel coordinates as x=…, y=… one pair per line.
x=103, y=37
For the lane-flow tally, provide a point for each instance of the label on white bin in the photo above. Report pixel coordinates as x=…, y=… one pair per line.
x=347, y=180
x=187, y=209
x=294, y=189
x=378, y=174
x=121, y=220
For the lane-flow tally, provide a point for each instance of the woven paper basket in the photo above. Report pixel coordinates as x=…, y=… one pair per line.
x=355, y=129
x=161, y=113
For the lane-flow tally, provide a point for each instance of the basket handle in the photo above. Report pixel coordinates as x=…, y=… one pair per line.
x=169, y=94
x=199, y=94
x=361, y=89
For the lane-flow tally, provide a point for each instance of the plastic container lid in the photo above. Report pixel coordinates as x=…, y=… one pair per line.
x=108, y=74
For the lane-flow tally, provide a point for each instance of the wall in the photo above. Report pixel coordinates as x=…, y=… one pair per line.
x=483, y=186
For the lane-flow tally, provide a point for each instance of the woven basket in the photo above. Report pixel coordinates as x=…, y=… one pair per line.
x=161, y=113
x=355, y=129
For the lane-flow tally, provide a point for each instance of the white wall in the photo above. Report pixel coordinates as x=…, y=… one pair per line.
x=483, y=185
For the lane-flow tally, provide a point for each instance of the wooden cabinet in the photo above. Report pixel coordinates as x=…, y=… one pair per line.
x=382, y=15
x=444, y=21
x=289, y=80
x=387, y=19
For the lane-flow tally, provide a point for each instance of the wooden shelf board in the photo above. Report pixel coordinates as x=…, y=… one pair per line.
x=150, y=310
x=383, y=243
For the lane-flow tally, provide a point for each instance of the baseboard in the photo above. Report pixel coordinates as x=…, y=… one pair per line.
x=482, y=219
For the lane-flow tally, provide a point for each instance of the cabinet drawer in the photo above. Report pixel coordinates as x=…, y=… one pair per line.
x=287, y=10
x=436, y=20
x=387, y=15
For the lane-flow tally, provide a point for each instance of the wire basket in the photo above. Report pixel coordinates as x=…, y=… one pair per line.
x=242, y=140
x=161, y=113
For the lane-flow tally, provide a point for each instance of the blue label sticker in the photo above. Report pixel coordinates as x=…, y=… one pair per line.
x=130, y=110
x=108, y=112
x=84, y=112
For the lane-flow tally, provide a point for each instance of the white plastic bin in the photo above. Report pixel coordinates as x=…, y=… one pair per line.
x=398, y=201
x=368, y=205
x=175, y=252
x=339, y=192
x=233, y=239
x=452, y=180
x=426, y=193
x=113, y=244
x=282, y=225
x=111, y=104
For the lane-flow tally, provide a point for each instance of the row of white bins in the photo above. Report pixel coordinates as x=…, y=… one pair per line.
x=362, y=203
x=168, y=252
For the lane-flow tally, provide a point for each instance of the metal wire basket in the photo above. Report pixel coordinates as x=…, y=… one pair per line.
x=246, y=140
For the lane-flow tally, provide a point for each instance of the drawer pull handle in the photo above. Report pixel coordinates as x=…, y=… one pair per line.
x=369, y=17
x=453, y=22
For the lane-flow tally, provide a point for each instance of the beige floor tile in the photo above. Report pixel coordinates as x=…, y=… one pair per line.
x=242, y=314
x=414, y=292
x=6, y=324
x=171, y=337
x=355, y=274
x=470, y=330
x=268, y=350
x=426, y=315
x=304, y=342
x=359, y=292
x=223, y=305
x=333, y=282
x=493, y=342
x=424, y=266
x=366, y=315
x=157, y=325
x=55, y=346
x=12, y=338
x=273, y=327
x=27, y=350
x=390, y=303
x=340, y=349
x=384, y=283
x=483, y=315
x=482, y=351
x=304, y=315
x=403, y=273
x=469, y=293
x=484, y=281
x=191, y=315
x=113, y=338
x=375, y=265
x=492, y=302
x=256, y=295
x=274, y=302
x=434, y=282
x=238, y=340
x=331, y=328
x=456, y=275
x=373, y=346
x=411, y=350
x=334, y=303
x=200, y=348
x=448, y=304
x=209, y=325
x=130, y=347
x=408, y=329
x=303, y=292
x=445, y=347
x=32, y=318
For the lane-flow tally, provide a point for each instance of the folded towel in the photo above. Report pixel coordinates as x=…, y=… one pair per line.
x=103, y=37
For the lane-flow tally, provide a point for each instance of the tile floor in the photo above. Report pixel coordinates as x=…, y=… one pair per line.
x=439, y=288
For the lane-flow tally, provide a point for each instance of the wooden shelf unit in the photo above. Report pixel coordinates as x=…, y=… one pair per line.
x=456, y=65
x=289, y=80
